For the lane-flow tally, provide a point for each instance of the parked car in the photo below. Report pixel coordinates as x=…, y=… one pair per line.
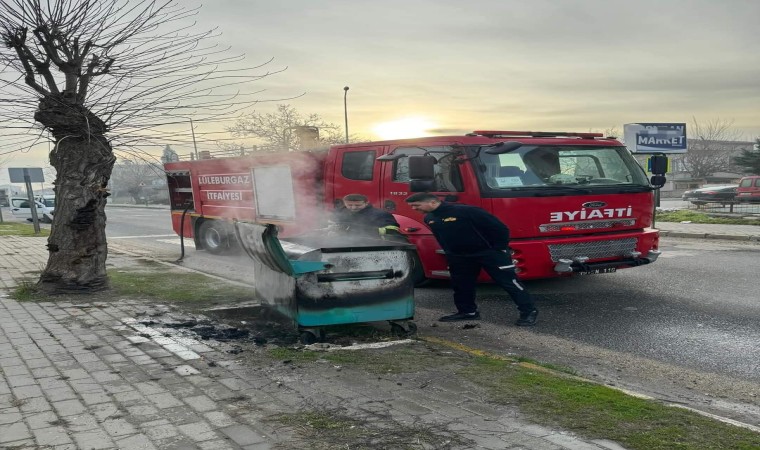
x=45, y=208
x=749, y=190
x=711, y=194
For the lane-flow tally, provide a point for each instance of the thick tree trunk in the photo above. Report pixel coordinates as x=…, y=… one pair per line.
x=83, y=159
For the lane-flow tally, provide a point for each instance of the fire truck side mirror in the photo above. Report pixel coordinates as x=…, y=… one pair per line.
x=422, y=167
x=658, y=164
x=658, y=181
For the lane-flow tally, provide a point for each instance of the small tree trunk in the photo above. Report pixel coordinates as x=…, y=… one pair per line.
x=83, y=159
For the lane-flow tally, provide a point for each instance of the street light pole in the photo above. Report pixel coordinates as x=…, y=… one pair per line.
x=345, y=110
x=195, y=146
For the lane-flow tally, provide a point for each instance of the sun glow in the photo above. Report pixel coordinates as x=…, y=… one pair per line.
x=407, y=127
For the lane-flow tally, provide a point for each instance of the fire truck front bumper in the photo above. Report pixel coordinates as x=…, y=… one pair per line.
x=580, y=264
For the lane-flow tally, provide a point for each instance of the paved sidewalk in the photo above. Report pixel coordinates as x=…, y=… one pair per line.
x=710, y=231
x=90, y=376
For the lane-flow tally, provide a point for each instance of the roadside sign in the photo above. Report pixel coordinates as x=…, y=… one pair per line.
x=17, y=174
x=667, y=138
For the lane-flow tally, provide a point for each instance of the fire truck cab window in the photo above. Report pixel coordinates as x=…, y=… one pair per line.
x=532, y=167
x=447, y=175
x=358, y=165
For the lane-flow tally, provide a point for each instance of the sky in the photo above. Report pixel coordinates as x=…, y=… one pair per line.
x=422, y=67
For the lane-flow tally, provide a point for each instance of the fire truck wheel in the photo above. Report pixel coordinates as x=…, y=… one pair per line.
x=214, y=236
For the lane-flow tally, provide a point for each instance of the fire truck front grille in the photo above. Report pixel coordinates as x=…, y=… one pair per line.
x=591, y=225
x=593, y=250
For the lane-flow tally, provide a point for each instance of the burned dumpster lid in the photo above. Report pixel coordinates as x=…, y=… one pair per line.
x=261, y=244
x=342, y=244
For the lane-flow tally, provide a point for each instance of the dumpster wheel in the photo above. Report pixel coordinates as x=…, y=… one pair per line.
x=310, y=336
x=405, y=328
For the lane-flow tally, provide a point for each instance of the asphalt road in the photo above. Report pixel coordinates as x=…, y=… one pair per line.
x=686, y=328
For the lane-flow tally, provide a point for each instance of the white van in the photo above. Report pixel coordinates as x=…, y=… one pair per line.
x=45, y=208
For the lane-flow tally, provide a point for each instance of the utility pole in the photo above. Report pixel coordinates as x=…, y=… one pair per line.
x=345, y=110
x=195, y=146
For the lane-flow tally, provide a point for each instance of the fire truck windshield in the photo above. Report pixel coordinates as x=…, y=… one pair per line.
x=547, y=167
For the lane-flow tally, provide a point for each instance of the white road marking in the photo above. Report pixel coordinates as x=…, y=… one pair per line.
x=188, y=241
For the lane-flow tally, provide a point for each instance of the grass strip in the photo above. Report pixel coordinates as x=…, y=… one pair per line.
x=599, y=412
x=684, y=215
x=177, y=287
x=551, y=398
x=21, y=229
x=158, y=283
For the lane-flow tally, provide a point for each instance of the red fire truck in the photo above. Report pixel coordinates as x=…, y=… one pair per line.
x=576, y=203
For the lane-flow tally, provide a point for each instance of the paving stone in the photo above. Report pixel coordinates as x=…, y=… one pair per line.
x=95, y=398
x=81, y=423
x=93, y=440
x=69, y=407
x=27, y=392
x=243, y=435
x=180, y=415
x=143, y=413
x=60, y=394
x=15, y=381
x=150, y=388
x=186, y=370
x=217, y=445
x=40, y=420
x=117, y=428
x=219, y=419
x=9, y=415
x=105, y=411
x=45, y=372
x=159, y=432
x=199, y=431
x=19, y=370
x=201, y=403
x=34, y=405
x=52, y=382
x=14, y=432
x=51, y=436
x=129, y=398
x=166, y=400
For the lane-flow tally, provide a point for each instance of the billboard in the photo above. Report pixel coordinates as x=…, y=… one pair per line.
x=667, y=138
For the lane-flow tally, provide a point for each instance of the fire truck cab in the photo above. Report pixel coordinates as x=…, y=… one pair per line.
x=575, y=203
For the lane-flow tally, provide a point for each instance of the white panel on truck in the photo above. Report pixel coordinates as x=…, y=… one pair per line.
x=273, y=189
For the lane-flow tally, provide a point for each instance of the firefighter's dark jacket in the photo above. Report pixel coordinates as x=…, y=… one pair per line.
x=366, y=221
x=464, y=229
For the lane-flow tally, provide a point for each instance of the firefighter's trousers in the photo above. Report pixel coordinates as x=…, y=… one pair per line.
x=464, y=270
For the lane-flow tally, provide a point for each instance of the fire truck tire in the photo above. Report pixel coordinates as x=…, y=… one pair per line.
x=214, y=237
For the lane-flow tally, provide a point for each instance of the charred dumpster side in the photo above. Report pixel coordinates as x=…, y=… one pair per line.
x=317, y=281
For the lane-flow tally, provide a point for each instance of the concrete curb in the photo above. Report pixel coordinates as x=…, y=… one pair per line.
x=728, y=237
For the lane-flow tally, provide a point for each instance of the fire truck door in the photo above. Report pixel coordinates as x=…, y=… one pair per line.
x=450, y=183
x=357, y=172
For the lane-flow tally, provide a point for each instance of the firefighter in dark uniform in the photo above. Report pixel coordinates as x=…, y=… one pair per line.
x=473, y=240
x=360, y=218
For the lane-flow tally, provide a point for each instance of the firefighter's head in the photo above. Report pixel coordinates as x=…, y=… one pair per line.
x=423, y=202
x=355, y=202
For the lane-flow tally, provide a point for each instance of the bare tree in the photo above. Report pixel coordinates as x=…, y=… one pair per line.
x=279, y=131
x=96, y=75
x=711, y=145
x=133, y=174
